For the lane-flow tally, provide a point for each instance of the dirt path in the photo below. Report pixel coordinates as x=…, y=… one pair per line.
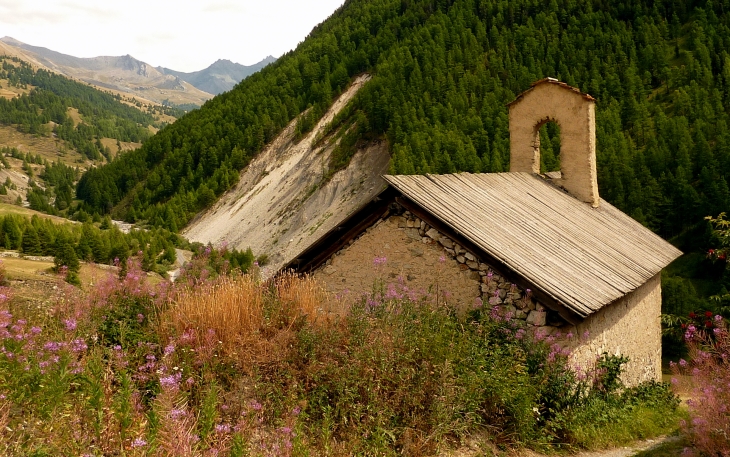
x=477, y=449
x=630, y=450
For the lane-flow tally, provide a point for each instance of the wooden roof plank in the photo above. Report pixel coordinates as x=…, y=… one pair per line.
x=582, y=256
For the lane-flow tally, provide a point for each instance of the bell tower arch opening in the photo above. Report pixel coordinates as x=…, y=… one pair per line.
x=547, y=145
x=549, y=101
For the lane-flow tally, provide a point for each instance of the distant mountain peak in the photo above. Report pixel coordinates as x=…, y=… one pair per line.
x=220, y=76
x=124, y=73
x=10, y=40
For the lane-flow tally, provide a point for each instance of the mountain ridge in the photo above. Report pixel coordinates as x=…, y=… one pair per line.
x=125, y=74
x=220, y=76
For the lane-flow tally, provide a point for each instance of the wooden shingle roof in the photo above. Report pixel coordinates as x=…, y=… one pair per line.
x=582, y=257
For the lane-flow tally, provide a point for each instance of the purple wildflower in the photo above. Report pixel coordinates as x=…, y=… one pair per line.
x=52, y=346
x=78, y=345
x=177, y=413
x=377, y=261
x=222, y=428
x=171, y=382
x=70, y=324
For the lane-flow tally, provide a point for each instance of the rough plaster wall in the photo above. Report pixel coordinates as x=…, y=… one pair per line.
x=353, y=272
x=577, y=120
x=629, y=327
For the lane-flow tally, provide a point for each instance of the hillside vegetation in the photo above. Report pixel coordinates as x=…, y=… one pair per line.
x=443, y=71
x=49, y=98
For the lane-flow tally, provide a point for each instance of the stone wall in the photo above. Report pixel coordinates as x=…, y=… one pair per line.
x=391, y=255
x=404, y=255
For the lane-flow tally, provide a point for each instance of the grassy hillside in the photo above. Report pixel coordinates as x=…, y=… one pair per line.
x=48, y=100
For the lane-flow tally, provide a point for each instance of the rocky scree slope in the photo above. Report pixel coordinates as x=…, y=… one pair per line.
x=285, y=200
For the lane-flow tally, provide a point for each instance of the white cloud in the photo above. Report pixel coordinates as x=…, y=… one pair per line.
x=178, y=34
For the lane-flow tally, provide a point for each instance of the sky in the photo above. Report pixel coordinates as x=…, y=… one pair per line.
x=182, y=35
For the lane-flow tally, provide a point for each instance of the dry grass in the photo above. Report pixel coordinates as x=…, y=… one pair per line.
x=25, y=269
x=305, y=297
x=111, y=143
x=7, y=208
x=249, y=317
x=47, y=147
x=232, y=306
x=74, y=114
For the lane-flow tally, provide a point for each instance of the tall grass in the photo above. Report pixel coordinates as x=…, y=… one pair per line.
x=232, y=306
x=232, y=365
x=244, y=311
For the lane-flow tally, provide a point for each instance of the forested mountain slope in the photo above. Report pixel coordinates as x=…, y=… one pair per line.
x=286, y=198
x=442, y=74
x=43, y=102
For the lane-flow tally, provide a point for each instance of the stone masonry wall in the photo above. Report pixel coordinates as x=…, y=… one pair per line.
x=398, y=257
x=551, y=100
x=404, y=254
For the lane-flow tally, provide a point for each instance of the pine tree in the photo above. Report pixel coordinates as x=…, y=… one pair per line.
x=31, y=244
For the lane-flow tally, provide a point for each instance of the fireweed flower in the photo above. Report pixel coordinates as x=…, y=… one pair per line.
x=78, y=345
x=222, y=428
x=52, y=346
x=171, y=382
x=70, y=324
x=177, y=413
x=378, y=261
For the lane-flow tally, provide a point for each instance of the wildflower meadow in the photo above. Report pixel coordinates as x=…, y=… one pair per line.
x=225, y=363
